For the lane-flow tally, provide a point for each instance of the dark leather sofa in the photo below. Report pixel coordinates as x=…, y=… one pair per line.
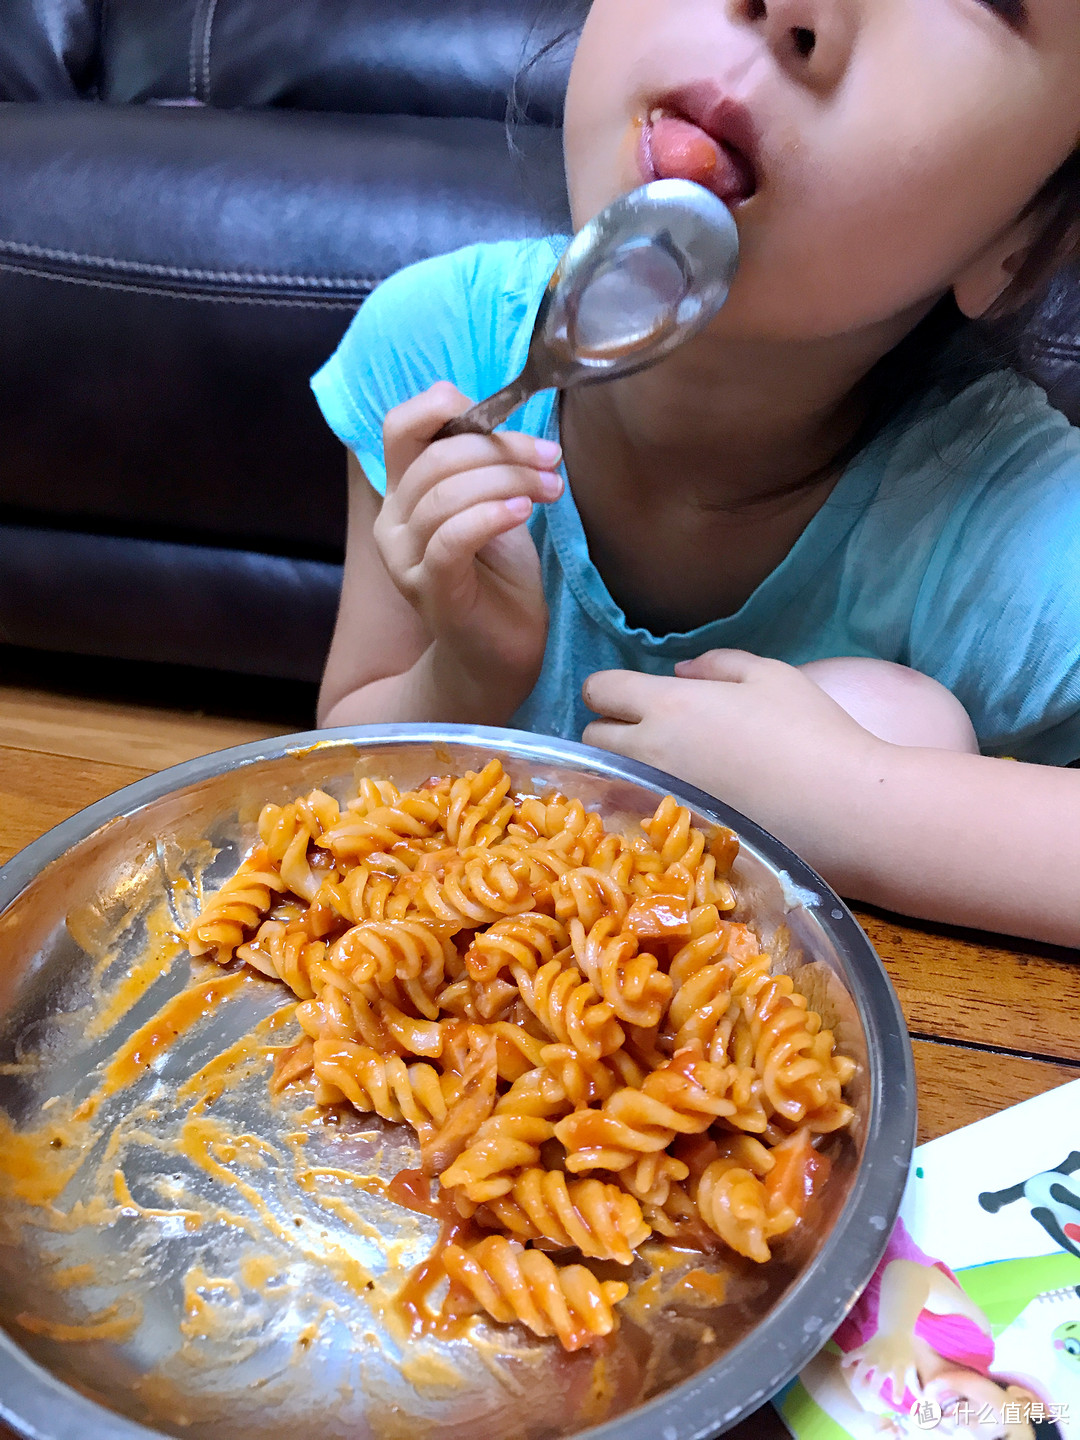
x=195, y=196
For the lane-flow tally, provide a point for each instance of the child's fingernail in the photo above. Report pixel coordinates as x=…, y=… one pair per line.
x=547, y=452
x=550, y=484
x=520, y=506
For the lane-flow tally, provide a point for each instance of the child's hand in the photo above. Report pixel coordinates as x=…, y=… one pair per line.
x=885, y=1357
x=913, y=828
x=757, y=733
x=451, y=533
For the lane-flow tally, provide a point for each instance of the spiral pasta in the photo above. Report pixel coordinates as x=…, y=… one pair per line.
x=633, y=984
x=651, y=1177
x=284, y=952
x=237, y=908
x=602, y=1221
x=587, y=895
x=734, y=1201
x=570, y=1010
x=362, y=831
x=579, y=1080
x=513, y=1283
x=476, y=888
x=388, y=1087
x=287, y=832
x=801, y=1075
x=708, y=862
x=684, y=1096
x=525, y=942
x=568, y=829
x=369, y=893
x=479, y=809
x=504, y=1144
x=398, y=958
x=586, y=1044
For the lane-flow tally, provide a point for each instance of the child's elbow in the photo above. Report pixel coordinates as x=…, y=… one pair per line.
x=331, y=708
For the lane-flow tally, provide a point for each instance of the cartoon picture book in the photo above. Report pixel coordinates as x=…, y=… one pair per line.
x=971, y=1323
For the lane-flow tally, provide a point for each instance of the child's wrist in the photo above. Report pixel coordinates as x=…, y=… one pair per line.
x=874, y=825
x=470, y=694
x=839, y=822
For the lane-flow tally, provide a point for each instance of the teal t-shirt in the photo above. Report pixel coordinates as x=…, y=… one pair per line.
x=951, y=544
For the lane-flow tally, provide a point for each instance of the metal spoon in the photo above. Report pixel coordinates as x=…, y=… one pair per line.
x=641, y=278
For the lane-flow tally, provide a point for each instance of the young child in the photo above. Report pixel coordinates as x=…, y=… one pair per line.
x=802, y=563
x=915, y=1336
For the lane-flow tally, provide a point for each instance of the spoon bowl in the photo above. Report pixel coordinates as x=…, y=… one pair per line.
x=641, y=278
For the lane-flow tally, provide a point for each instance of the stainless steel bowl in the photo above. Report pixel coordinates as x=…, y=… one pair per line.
x=216, y=1310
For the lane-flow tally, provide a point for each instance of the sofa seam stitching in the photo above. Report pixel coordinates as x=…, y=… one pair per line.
x=243, y=298
x=193, y=77
x=211, y=12
x=181, y=272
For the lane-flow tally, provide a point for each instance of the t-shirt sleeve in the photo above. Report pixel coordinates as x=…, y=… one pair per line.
x=998, y=614
x=465, y=317
x=415, y=329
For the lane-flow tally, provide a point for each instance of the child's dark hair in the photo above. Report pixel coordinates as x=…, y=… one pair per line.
x=1032, y=330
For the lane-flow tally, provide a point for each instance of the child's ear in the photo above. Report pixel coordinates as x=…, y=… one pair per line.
x=985, y=280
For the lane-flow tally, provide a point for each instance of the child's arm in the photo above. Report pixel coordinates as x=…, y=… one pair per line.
x=889, y=1353
x=958, y=838
x=907, y=1289
x=442, y=613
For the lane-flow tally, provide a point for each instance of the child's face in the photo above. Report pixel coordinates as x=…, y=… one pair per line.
x=890, y=145
x=984, y=1402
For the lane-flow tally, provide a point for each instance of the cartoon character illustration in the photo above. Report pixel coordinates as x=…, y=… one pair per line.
x=1032, y=1347
x=915, y=1337
x=1066, y=1340
x=1054, y=1199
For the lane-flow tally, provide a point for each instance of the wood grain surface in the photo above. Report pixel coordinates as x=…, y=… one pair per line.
x=60, y=753
x=1014, y=995
x=958, y=1085
x=115, y=734
x=992, y=1020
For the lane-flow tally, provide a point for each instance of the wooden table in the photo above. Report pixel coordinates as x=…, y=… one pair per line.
x=992, y=1021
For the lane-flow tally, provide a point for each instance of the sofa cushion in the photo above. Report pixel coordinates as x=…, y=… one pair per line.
x=411, y=57
x=152, y=600
x=170, y=278
x=48, y=48
x=1053, y=343
x=272, y=205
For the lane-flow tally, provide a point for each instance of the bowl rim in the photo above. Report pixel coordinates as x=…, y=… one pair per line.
x=38, y=1405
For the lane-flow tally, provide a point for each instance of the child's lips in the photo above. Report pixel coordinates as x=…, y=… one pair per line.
x=674, y=145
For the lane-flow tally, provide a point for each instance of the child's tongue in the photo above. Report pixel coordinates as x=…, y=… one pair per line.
x=682, y=151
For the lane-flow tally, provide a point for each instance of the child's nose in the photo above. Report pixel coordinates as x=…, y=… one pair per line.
x=812, y=39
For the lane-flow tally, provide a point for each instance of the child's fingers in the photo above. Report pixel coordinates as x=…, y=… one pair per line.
x=461, y=455
x=462, y=492
x=403, y=543
x=621, y=695
x=410, y=428
x=734, y=666
x=448, y=562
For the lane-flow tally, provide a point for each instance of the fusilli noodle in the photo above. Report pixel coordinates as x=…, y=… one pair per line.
x=588, y=1047
x=602, y=1221
x=513, y=1283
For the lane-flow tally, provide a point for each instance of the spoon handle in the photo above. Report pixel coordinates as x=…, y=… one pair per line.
x=483, y=418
